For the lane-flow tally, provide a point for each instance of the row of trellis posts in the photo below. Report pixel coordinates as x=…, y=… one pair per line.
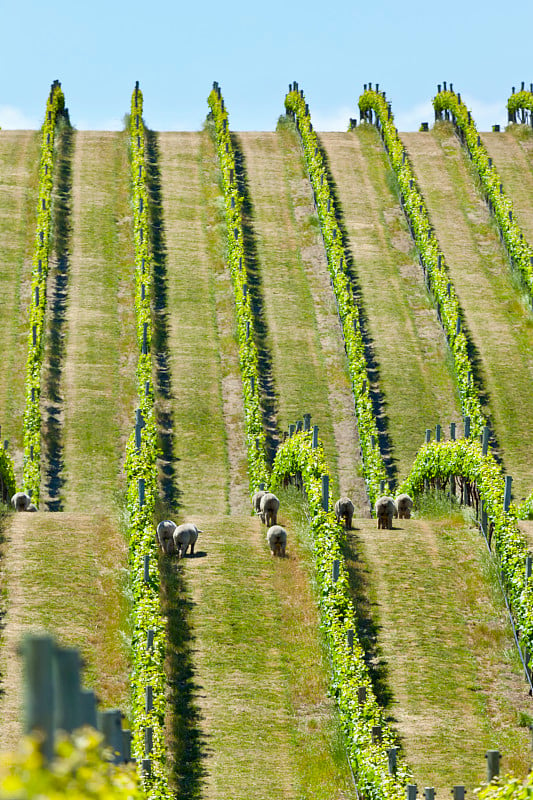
x=54, y=701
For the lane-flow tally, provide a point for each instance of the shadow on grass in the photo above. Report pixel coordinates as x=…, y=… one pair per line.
x=378, y=403
x=366, y=621
x=266, y=378
x=57, y=305
x=164, y=419
x=188, y=746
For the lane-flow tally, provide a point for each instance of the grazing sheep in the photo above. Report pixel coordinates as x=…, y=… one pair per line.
x=21, y=501
x=344, y=509
x=277, y=540
x=404, y=505
x=185, y=535
x=165, y=535
x=256, y=500
x=269, y=509
x=385, y=510
x=31, y=507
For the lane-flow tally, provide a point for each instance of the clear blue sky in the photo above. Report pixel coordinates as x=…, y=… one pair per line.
x=99, y=49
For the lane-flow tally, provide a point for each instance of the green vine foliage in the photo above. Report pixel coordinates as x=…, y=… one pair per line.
x=8, y=484
x=519, y=101
x=431, y=256
x=438, y=461
x=507, y=787
x=148, y=662
x=78, y=772
x=518, y=249
x=32, y=414
x=248, y=357
x=297, y=457
x=349, y=311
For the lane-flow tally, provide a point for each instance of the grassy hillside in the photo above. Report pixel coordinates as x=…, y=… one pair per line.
x=407, y=341
x=63, y=573
x=440, y=647
x=197, y=344
x=248, y=711
x=19, y=172
x=512, y=154
x=500, y=327
x=100, y=346
x=303, y=333
x=240, y=688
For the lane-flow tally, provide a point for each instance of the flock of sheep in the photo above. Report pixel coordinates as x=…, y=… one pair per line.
x=174, y=538
x=385, y=509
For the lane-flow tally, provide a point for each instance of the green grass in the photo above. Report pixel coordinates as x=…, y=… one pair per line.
x=206, y=396
x=309, y=368
x=98, y=380
x=501, y=328
x=19, y=167
x=413, y=368
x=439, y=646
x=71, y=571
x=252, y=696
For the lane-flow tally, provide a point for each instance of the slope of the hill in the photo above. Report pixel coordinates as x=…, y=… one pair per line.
x=248, y=710
x=501, y=328
x=62, y=573
x=304, y=337
x=198, y=347
x=407, y=339
x=441, y=648
x=19, y=174
x=97, y=381
x=249, y=696
x=512, y=154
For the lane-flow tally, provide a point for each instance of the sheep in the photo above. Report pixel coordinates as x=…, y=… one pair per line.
x=269, y=509
x=344, y=509
x=256, y=500
x=164, y=534
x=21, y=501
x=385, y=510
x=277, y=540
x=404, y=505
x=185, y=535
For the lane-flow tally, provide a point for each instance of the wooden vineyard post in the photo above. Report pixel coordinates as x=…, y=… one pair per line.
x=493, y=764
x=507, y=493
x=110, y=726
x=37, y=652
x=325, y=492
x=67, y=690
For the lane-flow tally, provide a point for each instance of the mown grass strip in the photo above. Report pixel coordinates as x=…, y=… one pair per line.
x=248, y=355
x=500, y=204
x=436, y=463
x=19, y=168
x=148, y=655
x=431, y=256
x=369, y=758
x=32, y=416
x=349, y=311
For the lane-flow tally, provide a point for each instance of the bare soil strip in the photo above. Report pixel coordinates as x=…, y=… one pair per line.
x=19, y=174
x=309, y=363
x=500, y=327
x=513, y=158
x=252, y=623
x=206, y=402
x=64, y=574
x=442, y=648
x=101, y=346
x=407, y=339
